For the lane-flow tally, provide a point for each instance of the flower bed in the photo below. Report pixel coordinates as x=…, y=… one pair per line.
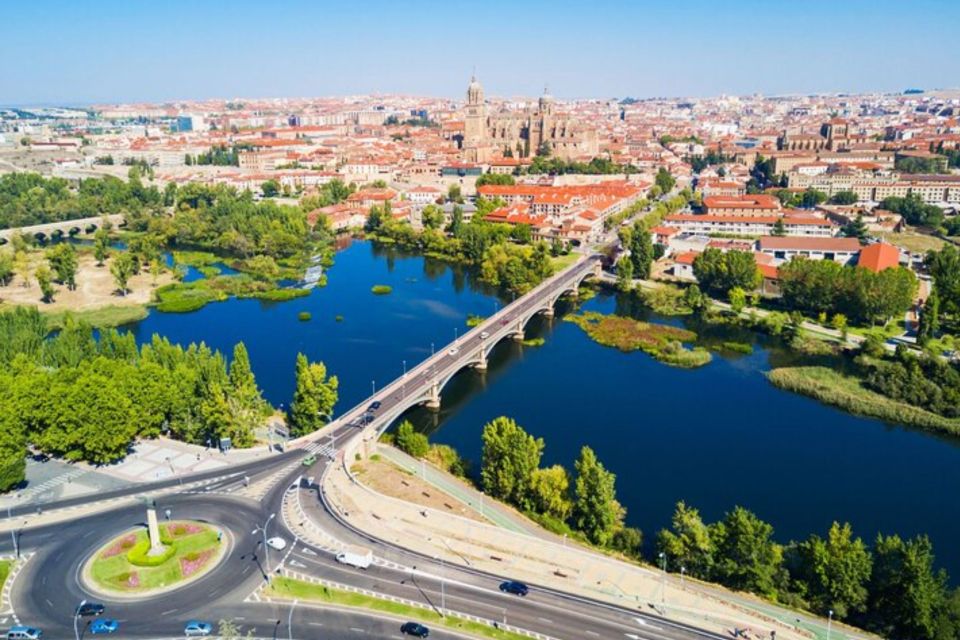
x=124, y=563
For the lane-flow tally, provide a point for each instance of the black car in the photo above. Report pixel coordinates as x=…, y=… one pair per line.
x=90, y=609
x=414, y=629
x=514, y=587
x=374, y=405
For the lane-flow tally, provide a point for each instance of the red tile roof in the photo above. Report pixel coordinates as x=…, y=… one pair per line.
x=878, y=257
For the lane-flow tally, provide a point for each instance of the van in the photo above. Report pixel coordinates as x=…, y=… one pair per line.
x=24, y=633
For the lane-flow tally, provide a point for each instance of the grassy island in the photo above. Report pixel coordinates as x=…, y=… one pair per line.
x=663, y=342
x=192, y=548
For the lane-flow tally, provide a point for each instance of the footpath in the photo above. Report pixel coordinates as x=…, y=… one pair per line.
x=562, y=565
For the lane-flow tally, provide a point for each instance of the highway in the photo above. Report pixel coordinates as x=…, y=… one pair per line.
x=49, y=587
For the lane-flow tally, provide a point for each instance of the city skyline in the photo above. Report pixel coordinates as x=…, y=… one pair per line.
x=135, y=54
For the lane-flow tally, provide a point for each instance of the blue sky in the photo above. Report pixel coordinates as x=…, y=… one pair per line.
x=78, y=52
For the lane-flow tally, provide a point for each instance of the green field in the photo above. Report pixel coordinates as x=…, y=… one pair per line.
x=195, y=545
x=307, y=591
x=5, y=566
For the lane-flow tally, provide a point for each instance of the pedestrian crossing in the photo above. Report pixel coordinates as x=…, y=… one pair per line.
x=321, y=448
x=34, y=491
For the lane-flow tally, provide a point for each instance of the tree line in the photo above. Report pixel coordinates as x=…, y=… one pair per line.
x=85, y=397
x=892, y=588
x=505, y=254
x=29, y=198
x=584, y=505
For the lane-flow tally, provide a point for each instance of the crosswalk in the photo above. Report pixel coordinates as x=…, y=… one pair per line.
x=322, y=448
x=34, y=491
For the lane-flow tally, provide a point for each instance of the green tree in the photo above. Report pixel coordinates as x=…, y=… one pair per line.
x=596, y=512
x=509, y=458
x=779, y=229
x=101, y=245
x=834, y=573
x=243, y=385
x=63, y=260
x=456, y=221
x=122, y=270
x=6, y=267
x=45, y=280
x=625, y=274
x=13, y=444
x=944, y=266
x=687, y=543
x=906, y=593
x=664, y=180
x=929, y=318
x=411, y=442
x=551, y=492
x=270, y=189
x=844, y=198
x=641, y=251
x=856, y=228
x=738, y=299
x=314, y=396
x=747, y=558
x=719, y=272
x=454, y=194
x=432, y=216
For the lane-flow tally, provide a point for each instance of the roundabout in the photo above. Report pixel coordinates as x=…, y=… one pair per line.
x=125, y=567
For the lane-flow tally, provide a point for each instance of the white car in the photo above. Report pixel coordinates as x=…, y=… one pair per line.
x=277, y=543
x=454, y=351
x=484, y=335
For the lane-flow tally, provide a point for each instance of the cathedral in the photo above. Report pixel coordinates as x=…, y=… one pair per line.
x=522, y=134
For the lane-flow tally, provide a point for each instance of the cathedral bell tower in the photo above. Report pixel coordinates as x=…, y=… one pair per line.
x=475, y=124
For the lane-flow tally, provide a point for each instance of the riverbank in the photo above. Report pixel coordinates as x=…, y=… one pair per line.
x=845, y=392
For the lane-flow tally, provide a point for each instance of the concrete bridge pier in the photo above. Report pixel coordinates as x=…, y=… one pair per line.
x=518, y=333
x=481, y=361
x=433, y=399
x=548, y=312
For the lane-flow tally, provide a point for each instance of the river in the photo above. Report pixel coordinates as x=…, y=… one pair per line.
x=716, y=436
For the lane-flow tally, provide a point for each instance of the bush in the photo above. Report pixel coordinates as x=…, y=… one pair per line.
x=277, y=295
x=304, y=316
x=411, y=442
x=137, y=556
x=381, y=289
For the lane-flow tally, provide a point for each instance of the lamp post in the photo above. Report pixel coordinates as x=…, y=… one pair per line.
x=290, y=621
x=13, y=531
x=266, y=547
x=663, y=578
x=829, y=621
x=431, y=349
x=373, y=387
x=456, y=335
x=404, y=368
x=76, y=616
x=683, y=570
x=443, y=589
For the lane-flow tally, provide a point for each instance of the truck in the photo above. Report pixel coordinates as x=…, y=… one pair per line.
x=359, y=557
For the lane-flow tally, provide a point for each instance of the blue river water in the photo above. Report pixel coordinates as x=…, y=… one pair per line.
x=715, y=437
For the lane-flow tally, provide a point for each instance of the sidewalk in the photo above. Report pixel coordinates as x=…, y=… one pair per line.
x=565, y=567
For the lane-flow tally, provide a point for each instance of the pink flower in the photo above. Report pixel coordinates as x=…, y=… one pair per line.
x=193, y=562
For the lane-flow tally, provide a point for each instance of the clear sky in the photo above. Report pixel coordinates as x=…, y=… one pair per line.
x=71, y=51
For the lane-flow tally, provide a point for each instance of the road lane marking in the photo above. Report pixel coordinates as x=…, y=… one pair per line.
x=166, y=613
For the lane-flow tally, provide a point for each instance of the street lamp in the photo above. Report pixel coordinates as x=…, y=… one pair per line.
x=13, y=530
x=76, y=616
x=431, y=349
x=373, y=387
x=829, y=621
x=290, y=621
x=456, y=334
x=663, y=578
x=683, y=570
x=266, y=547
x=404, y=368
x=443, y=589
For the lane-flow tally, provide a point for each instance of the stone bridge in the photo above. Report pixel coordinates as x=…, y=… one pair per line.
x=46, y=231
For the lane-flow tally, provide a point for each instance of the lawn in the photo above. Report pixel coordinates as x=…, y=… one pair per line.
x=196, y=547
x=102, y=318
x=306, y=591
x=913, y=241
x=5, y=566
